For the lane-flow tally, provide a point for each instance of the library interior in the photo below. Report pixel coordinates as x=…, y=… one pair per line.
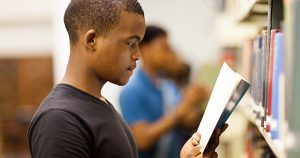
x=189, y=42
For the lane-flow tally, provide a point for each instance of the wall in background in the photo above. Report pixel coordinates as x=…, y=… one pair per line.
x=25, y=28
x=190, y=25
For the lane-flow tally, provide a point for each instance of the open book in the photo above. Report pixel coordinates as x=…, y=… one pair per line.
x=228, y=90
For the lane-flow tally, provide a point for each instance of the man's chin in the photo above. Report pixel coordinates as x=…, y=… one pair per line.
x=121, y=82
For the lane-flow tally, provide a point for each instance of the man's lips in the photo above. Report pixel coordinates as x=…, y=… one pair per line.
x=132, y=67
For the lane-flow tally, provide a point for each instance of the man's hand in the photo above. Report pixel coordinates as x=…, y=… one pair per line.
x=213, y=143
x=191, y=148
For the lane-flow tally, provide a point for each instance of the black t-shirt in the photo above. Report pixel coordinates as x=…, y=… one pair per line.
x=71, y=123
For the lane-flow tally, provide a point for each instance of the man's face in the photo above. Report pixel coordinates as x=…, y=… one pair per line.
x=118, y=51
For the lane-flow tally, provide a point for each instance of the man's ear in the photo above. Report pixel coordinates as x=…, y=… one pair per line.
x=90, y=40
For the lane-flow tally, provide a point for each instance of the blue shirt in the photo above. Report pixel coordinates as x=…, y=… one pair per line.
x=142, y=100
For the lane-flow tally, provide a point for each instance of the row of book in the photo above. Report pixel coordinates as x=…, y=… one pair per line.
x=262, y=64
x=256, y=146
x=270, y=62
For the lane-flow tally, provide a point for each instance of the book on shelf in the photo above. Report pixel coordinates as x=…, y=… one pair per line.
x=228, y=90
x=264, y=78
x=272, y=130
x=270, y=80
x=246, y=66
x=256, y=75
x=277, y=110
x=270, y=115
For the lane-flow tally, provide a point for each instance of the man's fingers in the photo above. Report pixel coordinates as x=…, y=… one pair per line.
x=215, y=139
x=211, y=154
x=196, y=136
x=212, y=145
x=215, y=155
x=225, y=126
x=199, y=156
x=195, y=152
x=217, y=133
x=194, y=142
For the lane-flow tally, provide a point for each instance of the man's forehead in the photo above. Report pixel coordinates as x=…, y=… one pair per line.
x=131, y=21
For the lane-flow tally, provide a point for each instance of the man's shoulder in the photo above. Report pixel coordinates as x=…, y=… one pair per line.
x=70, y=100
x=54, y=101
x=55, y=126
x=55, y=106
x=47, y=112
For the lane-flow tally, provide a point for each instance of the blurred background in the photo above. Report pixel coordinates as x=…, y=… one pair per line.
x=34, y=49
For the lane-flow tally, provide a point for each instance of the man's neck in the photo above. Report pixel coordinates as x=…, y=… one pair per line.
x=77, y=76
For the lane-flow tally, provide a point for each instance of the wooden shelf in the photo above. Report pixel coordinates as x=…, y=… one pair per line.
x=245, y=108
x=253, y=11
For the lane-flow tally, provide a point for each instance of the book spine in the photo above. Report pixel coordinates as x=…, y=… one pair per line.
x=270, y=79
x=246, y=55
x=263, y=77
x=276, y=88
x=256, y=75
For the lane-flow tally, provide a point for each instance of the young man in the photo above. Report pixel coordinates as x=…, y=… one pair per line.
x=75, y=120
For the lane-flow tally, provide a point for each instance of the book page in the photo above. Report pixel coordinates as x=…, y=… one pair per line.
x=224, y=88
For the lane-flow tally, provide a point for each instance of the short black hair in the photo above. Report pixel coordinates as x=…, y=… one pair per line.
x=151, y=33
x=100, y=15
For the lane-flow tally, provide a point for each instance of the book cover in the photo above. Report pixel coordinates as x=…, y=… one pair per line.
x=228, y=90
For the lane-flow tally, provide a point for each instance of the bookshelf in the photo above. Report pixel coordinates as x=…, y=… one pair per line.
x=271, y=15
x=245, y=109
x=253, y=10
x=283, y=15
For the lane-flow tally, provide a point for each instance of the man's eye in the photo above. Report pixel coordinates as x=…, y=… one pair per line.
x=131, y=44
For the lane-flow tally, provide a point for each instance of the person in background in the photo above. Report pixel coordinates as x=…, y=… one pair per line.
x=152, y=103
x=75, y=120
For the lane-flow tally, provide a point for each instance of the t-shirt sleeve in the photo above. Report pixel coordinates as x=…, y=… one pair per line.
x=58, y=134
x=131, y=103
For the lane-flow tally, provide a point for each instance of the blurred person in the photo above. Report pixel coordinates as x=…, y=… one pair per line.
x=152, y=104
x=75, y=120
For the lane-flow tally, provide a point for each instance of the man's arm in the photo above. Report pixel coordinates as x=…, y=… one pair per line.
x=146, y=134
x=136, y=115
x=195, y=95
x=58, y=134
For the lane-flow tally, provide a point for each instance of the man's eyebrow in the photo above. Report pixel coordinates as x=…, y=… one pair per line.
x=135, y=37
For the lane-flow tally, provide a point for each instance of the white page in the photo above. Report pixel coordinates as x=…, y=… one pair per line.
x=224, y=87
